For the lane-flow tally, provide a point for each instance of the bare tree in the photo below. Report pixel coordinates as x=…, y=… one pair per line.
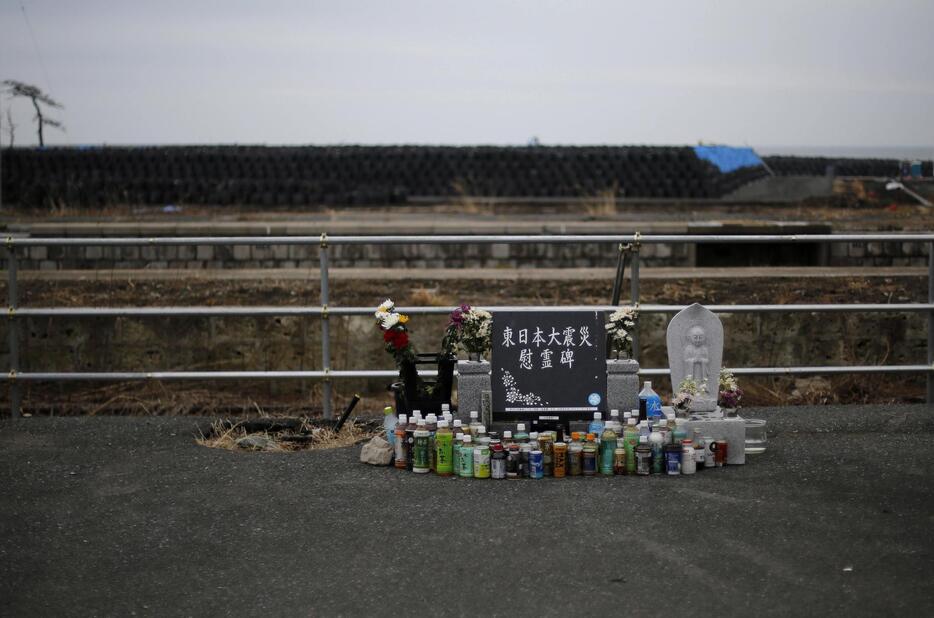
x=10, y=127
x=19, y=89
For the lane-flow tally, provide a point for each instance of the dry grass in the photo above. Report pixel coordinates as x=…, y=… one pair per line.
x=223, y=435
x=604, y=203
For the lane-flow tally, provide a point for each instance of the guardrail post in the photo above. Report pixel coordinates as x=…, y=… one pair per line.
x=325, y=330
x=12, y=294
x=930, y=376
x=634, y=288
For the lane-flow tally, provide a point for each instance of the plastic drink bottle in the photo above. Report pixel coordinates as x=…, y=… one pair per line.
x=596, y=425
x=643, y=457
x=431, y=424
x=589, y=456
x=465, y=465
x=456, y=454
x=653, y=403
x=575, y=455
x=390, y=420
x=679, y=433
x=444, y=450
x=457, y=429
x=474, y=423
x=421, y=461
x=521, y=437
x=497, y=460
x=614, y=419
x=533, y=440
x=607, y=449
x=525, y=452
x=507, y=439
x=399, y=442
x=688, y=465
x=656, y=442
x=410, y=442
x=631, y=437
x=481, y=461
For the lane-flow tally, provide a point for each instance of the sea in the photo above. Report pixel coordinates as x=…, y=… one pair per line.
x=925, y=153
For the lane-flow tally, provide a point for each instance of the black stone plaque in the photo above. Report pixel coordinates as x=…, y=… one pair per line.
x=548, y=362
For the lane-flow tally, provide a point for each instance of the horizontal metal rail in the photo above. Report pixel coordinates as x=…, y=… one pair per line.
x=324, y=311
x=246, y=311
x=31, y=241
x=120, y=376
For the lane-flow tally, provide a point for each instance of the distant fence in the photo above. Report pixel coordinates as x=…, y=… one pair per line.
x=628, y=243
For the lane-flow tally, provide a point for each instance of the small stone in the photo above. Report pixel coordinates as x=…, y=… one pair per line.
x=256, y=443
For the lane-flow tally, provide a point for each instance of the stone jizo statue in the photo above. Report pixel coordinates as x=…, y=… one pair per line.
x=695, y=349
x=696, y=356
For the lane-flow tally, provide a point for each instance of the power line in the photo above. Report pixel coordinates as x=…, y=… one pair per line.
x=35, y=45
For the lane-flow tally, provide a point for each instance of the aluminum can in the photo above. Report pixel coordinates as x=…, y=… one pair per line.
x=710, y=454
x=536, y=465
x=560, y=459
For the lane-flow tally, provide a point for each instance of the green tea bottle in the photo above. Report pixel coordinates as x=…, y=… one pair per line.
x=465, y=461
x=421, y=462
x=607, y=448
x=631, y=439
x=444, y=450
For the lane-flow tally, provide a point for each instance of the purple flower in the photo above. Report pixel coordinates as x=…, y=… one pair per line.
x=457, y=316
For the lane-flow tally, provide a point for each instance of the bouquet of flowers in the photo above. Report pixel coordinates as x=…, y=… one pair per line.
x=395, y=333
x=730, y=392
x=620, y=327
x=469, y=328
x=687, y=391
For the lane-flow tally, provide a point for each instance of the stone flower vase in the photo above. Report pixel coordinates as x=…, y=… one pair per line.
x=473, y=377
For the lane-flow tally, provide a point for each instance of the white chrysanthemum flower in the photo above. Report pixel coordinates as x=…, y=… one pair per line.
x=386, y=306
x=389, y=320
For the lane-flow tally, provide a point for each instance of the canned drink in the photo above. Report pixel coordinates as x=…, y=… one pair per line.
x=619, y=461
x=710, y=454
x=536, y=465
x=720, y=450
x=560, y=459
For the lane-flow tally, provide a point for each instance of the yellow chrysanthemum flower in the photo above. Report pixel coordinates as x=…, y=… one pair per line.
x=403, y=318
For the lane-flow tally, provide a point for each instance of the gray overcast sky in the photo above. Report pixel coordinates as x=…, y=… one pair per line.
x=781, y=72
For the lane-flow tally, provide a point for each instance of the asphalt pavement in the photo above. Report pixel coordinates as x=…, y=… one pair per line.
x=128, y=516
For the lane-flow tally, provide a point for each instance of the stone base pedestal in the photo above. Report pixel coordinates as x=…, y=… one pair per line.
x=622, y=385
x=473, y=377
x=733, y=430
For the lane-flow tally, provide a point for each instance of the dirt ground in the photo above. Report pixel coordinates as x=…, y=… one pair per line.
x=220, y=397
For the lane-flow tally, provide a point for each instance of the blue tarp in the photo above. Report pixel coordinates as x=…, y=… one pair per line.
x=728, y=158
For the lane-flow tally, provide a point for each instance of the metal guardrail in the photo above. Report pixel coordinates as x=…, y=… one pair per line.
x=324, y=311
